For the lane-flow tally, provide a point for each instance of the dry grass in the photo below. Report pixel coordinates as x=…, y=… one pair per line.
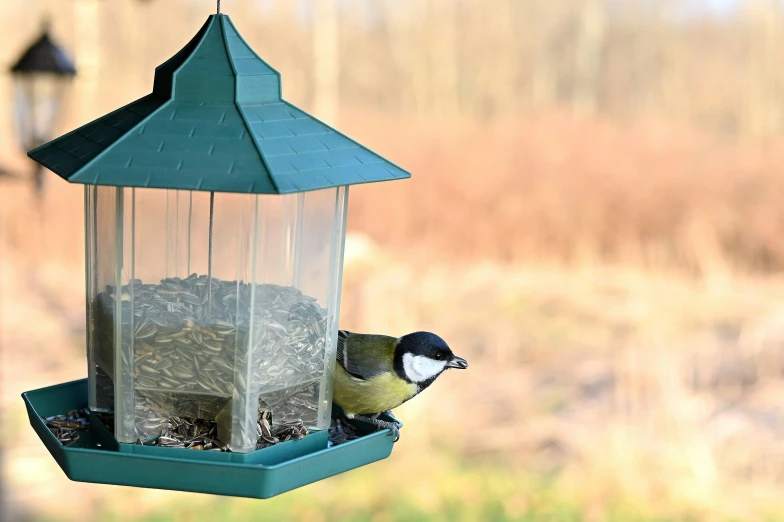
x=555, y=187
x=622, y=384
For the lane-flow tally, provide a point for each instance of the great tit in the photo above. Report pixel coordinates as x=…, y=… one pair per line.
x=376, y=373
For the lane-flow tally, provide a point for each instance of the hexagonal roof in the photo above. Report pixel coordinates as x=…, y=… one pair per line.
x=215, y=121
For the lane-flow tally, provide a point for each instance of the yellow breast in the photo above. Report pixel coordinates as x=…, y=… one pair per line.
x=381, y=393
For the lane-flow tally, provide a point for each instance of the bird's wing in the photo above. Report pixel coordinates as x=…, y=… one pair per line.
x=365, y=356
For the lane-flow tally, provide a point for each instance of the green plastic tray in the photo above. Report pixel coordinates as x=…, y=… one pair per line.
x=97, y=457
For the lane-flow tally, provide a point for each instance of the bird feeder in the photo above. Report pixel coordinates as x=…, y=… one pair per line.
x=215, y=219
x=41, y=77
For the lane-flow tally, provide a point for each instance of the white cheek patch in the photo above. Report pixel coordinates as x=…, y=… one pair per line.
x=419, y=368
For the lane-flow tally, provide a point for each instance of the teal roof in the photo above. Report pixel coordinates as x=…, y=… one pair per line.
x=215, y=121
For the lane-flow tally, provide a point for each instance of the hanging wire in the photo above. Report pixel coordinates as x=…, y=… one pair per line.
x=209, y=254
x=219, y=6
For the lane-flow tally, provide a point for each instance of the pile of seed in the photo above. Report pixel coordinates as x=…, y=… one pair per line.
x=201, y=335
x=200, y=434
x=196, y=434
x=340, y=432
x=65, y=427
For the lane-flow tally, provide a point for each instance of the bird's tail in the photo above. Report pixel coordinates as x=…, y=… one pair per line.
x=342, y=353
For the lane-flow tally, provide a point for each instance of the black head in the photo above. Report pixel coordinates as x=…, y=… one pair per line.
x=427, y=344
x=422, y=356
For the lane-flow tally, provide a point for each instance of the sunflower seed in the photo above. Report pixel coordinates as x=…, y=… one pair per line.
x=184, y=346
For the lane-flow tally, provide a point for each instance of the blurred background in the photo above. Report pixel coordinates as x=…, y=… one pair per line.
x=595, y=222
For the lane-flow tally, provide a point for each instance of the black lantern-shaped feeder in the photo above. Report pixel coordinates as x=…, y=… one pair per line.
x=215, y=223
x=41, y=77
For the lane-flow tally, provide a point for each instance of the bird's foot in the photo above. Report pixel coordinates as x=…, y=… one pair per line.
x=391, y=415
x=394, y=427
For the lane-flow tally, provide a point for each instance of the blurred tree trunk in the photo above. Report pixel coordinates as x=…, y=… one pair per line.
x=590, y=41
x=645, y=60
x=134, y=40
x=397, y=20
x=543, y=81
x=762, y=98
x=326, y=61
x=675, y=93
x=87, y=55
x=444, y=62
x=419, y=64
x=490, y=85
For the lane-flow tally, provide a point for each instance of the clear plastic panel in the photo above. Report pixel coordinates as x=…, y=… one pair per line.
x=187, y=327
x=90, y=292
x=109, y=251
x=150, y=243
x=179, y=213
x=338, y=240
x=124, y=316
x=100, y=230
x=213, y=320
x=291, y=341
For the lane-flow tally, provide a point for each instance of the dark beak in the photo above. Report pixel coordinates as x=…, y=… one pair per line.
x=457, y=362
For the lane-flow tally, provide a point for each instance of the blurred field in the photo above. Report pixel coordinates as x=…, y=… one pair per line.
x=611, y=264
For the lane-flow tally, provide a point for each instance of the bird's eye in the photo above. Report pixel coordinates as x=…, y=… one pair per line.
x=439, y=356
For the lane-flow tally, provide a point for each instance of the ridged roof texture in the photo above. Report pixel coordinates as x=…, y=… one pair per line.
x=215, y=121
